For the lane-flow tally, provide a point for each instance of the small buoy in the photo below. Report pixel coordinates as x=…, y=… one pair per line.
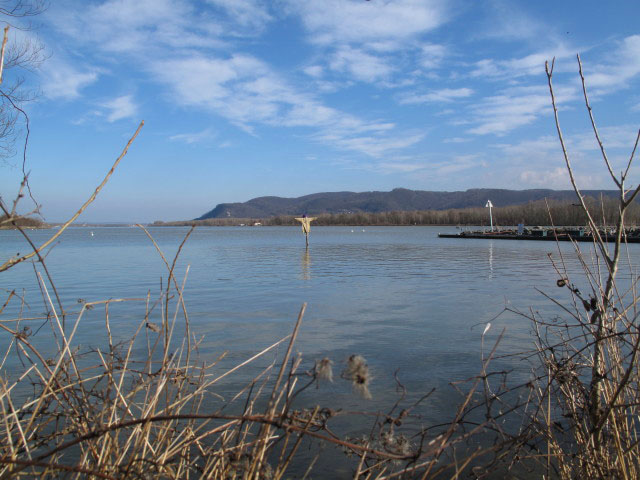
x=363, y=229
x=92, y=234
x=352, y=230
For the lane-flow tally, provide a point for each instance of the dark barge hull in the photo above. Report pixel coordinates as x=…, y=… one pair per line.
x=562, y=237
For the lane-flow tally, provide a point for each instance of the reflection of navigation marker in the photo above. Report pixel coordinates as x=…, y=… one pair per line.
x=306, y=226
x=490, y=205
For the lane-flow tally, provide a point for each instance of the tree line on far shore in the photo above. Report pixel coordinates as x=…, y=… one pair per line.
x=534, y=213
x=27, y=222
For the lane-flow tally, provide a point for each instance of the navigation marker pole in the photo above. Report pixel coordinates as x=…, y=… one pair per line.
x=490, y=206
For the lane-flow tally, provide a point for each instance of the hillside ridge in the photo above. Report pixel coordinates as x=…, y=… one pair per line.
x=398, y=199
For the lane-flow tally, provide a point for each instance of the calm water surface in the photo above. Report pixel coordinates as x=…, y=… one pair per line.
x=403, y=298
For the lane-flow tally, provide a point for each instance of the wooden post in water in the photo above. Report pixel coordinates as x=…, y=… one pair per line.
x=306, y=226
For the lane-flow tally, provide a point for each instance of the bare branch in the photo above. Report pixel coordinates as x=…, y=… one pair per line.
x=592, y=223
x=595, y=129
x=4, y=46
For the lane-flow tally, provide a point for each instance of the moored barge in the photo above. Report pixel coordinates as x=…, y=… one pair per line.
x=577, y=234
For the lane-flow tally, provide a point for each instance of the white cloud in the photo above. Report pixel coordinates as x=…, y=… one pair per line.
x=431, y=55
x=618, y=139
x=614, y=138
x=120, y=108
x=529, y=65
x=538, y=147
x=314, y=71
x=61, y=80
x=361, y=65
x=366, y=36
x=458, y=163
x=443, y=95
x=400, y=167
x=550, y=171
x=357, y=22
x=251, y=13
x=248, y=93
x=508, y=21
x=194, y=137
x=554, y=178
x=137, y=27
x=240, y=88
x=434, y=167
x=515, y=107
x=373, y=146
x=623, y=64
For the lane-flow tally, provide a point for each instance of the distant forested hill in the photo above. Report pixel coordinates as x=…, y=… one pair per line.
x=399, y=199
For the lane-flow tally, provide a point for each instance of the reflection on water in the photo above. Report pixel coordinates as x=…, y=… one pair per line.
x=490, y=259
x=305, y=262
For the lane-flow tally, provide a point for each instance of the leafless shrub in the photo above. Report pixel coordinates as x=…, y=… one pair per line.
x=586, y=417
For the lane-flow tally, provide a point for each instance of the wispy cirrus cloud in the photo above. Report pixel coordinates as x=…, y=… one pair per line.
x=620, y=66
x=400, y=167
x=364, y=37
x=431, y=55
x=616, y=139
x=238, y=87
x=545, y=153
x=374, y=146
x=120, y=108
x=62, y=80
x=355, y=22
x=247, y=92
x=458, y=163
x=361, y=65
x=194, y=137
x=529, y=65
x=144, y=27
x=514, y=107
x=508, y=21
x=248, y=13
x=444, y=95
x=619, y=138
x=553, y=178
x=558, y=178
x=457, y=140
x=314, y=71
x=543, y=146
x=434, y=167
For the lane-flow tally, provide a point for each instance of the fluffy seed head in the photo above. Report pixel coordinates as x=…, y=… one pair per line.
x=357, y=372
x=323, y=369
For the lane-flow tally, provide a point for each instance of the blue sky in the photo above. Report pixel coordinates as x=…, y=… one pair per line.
x=245, y=98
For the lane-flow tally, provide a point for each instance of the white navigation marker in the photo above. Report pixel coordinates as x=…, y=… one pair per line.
x=490, y=206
